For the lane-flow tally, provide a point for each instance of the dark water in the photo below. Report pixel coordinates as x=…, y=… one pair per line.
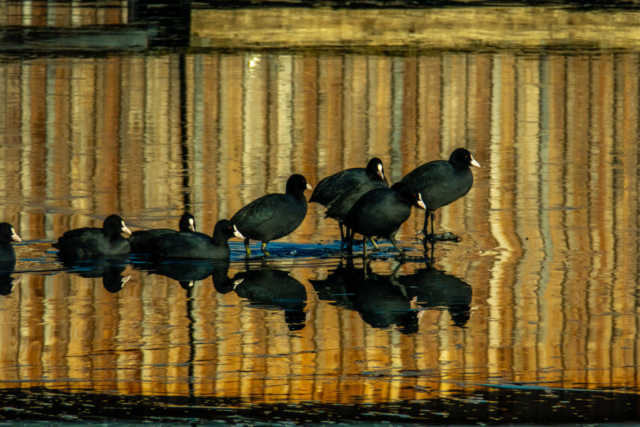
x=532, y=318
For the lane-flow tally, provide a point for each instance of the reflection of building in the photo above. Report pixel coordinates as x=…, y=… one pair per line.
x=548, y=227
x=111, y=25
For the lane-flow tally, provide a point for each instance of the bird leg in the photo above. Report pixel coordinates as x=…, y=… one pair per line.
x=425, y=239
x=429, y=237
x=433, y=226
x=395, y=245
x=350, y=234
x=342, y=239
x=264, y=249
x=364, y=248
x=432, y=259
x=246, y=245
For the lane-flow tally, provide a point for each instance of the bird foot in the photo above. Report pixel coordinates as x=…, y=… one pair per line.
x=448, y=237
x=444, y=237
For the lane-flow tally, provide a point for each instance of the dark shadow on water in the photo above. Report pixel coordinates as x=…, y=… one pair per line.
x=8, y=282
x=387, y=300
x=381, y=301
x=189, y=272
x=269, y=287
x=110, y=270
x=433, y=288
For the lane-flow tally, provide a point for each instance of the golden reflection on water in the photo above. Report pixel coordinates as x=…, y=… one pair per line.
x=550, y=228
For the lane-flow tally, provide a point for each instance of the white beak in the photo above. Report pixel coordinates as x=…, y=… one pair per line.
x=309, y=187
x=237, y=282
x=14, y=236
x=125, y=279
x=420, y=202
x=380, y=172
x=237, y=233
x=192, y=225
x=125, y=229
x=474, y=162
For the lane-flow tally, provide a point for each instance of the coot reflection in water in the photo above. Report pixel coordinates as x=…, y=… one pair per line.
x=190, y=271
x=381, y=301
x=432, y=288
x=386, y=300
x=8, y=282
x=272, y=287
x=334, y=287
x=108, y=269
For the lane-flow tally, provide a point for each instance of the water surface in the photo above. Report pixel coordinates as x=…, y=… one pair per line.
x=536, y=307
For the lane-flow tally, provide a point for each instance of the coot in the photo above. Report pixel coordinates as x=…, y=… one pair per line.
x=442, y=182
x=339, y=183
x=7, y=235
x=90, y=242
x=140, y=241
x=189, y=245
x=273, y=216
x=341, y=205
x=381, y=212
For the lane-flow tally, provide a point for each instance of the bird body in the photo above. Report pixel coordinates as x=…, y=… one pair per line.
x=337, y=184
x=263, y=219
x=194, y=245
x=273, y=216
x=341, y=205
x=338, y=192
x=141, y=241
x=381, y=212
x=91, y=242
x=442, y=182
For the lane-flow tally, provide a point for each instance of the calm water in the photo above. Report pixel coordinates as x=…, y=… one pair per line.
x=532, y=317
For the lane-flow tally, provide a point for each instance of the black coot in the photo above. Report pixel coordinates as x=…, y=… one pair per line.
x=7, y=235
x=189, y=245
x=341, y=205
x=140, y=241
x=273, y=216
x=381, y=212
x=89, y=242
x=334, y=186
x=442, y=182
